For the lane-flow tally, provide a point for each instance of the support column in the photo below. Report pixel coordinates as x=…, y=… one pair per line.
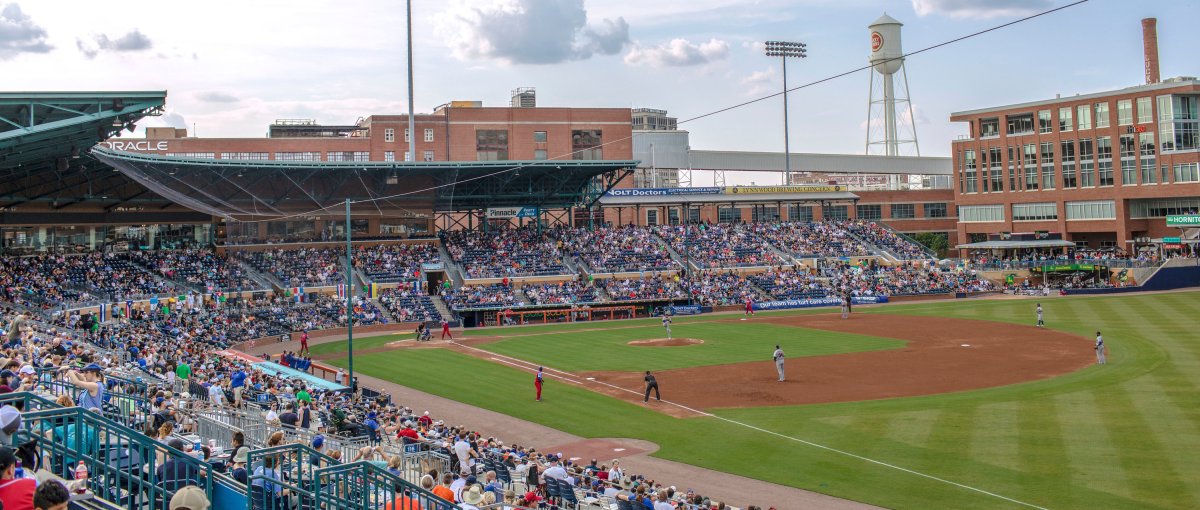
x=92, y=238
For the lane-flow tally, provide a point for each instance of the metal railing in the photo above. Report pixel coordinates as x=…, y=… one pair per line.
x=284, y=477
x=366, y=485
x=122, y=464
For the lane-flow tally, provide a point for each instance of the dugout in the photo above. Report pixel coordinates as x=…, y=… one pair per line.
x=1072, y=275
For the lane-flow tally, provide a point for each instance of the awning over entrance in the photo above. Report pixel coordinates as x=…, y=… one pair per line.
x=1009, y=245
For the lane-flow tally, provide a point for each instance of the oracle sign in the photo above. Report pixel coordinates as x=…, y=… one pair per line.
x=136, y=145
x=876, y=41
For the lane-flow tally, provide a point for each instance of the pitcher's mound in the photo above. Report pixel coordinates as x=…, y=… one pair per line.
x=663, y=342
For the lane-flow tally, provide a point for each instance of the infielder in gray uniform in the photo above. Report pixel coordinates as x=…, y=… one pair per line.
x=1100, y=357
x=1040, y=323
x=779, y=362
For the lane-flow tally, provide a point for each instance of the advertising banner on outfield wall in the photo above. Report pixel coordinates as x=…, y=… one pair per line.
x=810, y=303
x=687, y=309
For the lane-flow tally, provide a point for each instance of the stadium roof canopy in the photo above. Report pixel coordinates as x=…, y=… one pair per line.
x=997, y=245
x=245, y=189
x=697, y=198
x=44, y=142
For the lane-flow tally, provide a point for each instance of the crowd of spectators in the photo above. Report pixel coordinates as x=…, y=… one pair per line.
x=38, y=281
x=906, y=279
x=719, y=288
x=616, y=249
x=810, y=239
x=652, y=287
x=410, y=305
x=45, y=281
x=394, y=263
x=884, y=237
x=298, y=267
x=566, y=292
x=201, y=268
x=792, y=284
x=504, y=252
x=716, y=246
x=481, y=296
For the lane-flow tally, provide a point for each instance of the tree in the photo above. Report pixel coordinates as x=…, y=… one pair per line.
x=936, y=241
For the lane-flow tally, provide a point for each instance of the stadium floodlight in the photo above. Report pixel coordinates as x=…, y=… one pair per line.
x=785, y=49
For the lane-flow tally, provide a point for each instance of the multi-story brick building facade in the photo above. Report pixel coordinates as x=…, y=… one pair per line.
x=1102, y=169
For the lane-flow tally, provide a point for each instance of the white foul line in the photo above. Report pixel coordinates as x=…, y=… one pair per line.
x=771, y=432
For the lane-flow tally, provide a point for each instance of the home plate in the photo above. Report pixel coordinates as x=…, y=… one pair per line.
x=966, y=345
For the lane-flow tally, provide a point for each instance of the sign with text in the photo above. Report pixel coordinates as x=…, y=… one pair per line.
x=1183, y=220
x=809, y=303
x=743, y=190
x=1172, y=240
x=504, y=213
x=661, y=192
x=136, y=145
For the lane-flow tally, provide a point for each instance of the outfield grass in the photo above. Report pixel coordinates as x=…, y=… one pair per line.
x=1126, y=435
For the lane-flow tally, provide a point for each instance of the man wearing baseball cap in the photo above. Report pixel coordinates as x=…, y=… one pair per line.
x=189, y=498
x=14, y=492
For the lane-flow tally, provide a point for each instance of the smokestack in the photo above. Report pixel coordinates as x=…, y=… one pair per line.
x=1150, y=48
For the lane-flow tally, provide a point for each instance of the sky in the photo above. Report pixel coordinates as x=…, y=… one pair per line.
x=231, y=68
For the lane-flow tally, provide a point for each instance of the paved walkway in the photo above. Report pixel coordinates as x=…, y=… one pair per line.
x=634, y=454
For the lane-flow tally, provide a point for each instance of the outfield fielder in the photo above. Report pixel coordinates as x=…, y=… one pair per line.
x=1040, y=323
x=1100, y=358
x=666, y=320
x=779, y=362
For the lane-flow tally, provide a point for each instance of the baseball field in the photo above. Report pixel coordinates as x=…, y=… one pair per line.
x=958, y=404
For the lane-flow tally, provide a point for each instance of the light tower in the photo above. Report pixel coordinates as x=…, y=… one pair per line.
x=887, y=57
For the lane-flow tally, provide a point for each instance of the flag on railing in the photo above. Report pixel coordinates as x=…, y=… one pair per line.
x=128, y=308
x=341, y=291
x=298, y=293
x=103, y=312
x=374, y=290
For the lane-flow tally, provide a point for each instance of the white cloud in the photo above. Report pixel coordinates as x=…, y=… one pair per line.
x=762, y=82
x=19, y=34
x=678, y=52
x=216, y=96
x=531, y=32
x=980, y=8
x=134, y=40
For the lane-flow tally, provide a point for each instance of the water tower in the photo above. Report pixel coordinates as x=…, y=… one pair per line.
x=887, y=57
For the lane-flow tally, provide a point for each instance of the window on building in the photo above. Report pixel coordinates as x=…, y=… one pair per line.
x=1047, y=151
x=835, y=212
x=800, y=213
x=983, y=168
x=1145, y=113
x=407, y=156
x=869, y=211
x=1182, y=129
x=491, y=144
x=903, y=211
x=251, y=156
x=389, y=135
x=1101, y=115
x=1064, y=119
x=1045, y=125
x=1043, y=211
x=935, y=210
x=1125, y=112
x=1147, y=153
x=1087, y=166
x=389, y=155
x=194, y=155
x=540, y=154
x=1084, y=117
x=1012, y=170
x=969, y=172
x=652, y=217
x=1104, y=164
x=586, y=144
x=1067, y=150
x=989, y=128
x=1020, y=124
x=1127, y=149
x=764, y=214
x=427, y=156
x=1031, y=168
x=297, y=156
x=539, y=137
x=407, y=135
x=672, y=216
x=997, y=171
x=1092, y=210
x=1166, y=174
x=428, y=135
x=980, y=213
x=1187, y=172
x=348, y=156
x=729, y=215
x=693, y=215
x=1160, y=207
